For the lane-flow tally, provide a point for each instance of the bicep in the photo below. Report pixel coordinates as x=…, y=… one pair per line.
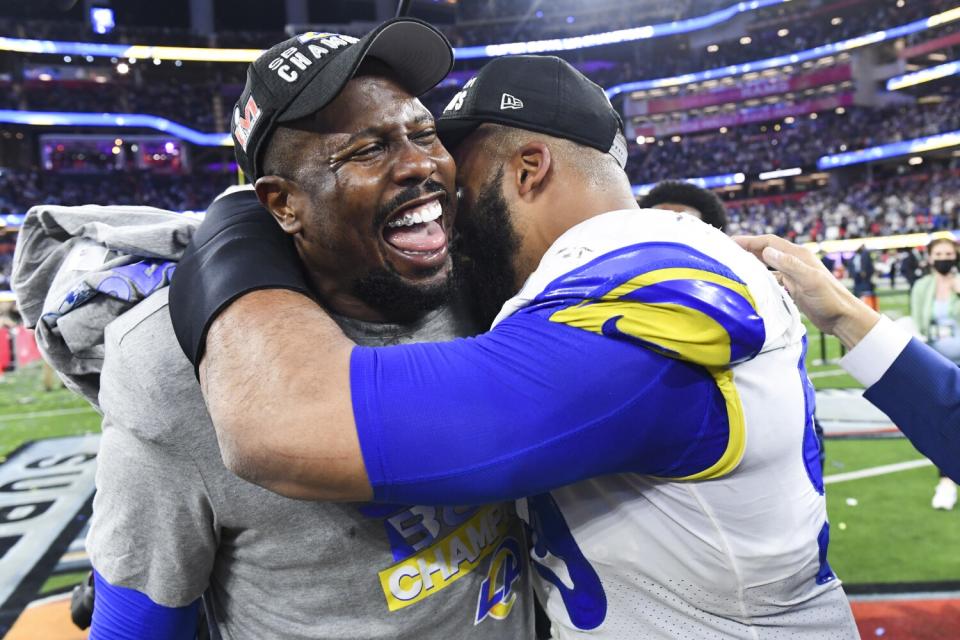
x=527, y=407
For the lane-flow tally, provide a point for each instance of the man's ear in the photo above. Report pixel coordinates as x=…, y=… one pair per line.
x=532, y=167
x=277, y=195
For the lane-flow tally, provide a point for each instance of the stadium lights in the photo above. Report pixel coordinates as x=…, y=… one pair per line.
x=780, y=173
x=201, y=54
x=951, y=15
x=706, y=182
x=926, y=75
x=114, y=120
x=614, y=37
x=893, y=149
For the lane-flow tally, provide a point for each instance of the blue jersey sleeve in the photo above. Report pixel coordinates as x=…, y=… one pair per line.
x=124, y=614
x=526, y=408
x=620, y=366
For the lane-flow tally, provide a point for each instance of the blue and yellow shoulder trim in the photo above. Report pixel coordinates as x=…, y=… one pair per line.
x=672, y=299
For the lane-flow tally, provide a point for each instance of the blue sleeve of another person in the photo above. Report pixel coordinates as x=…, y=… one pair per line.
x=126, y=614
x=920, y=392
x=528, y=407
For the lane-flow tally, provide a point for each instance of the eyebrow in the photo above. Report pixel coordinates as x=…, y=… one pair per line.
x=377, y=129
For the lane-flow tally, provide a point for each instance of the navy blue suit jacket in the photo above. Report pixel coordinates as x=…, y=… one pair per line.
x=921, y=394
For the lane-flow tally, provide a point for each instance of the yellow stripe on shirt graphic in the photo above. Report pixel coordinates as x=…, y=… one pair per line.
x=446, y=561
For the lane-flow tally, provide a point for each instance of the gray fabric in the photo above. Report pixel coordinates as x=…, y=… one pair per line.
x=169, y=517
x=65, y=256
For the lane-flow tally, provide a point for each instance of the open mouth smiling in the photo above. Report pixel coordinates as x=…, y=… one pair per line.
x=415, y=232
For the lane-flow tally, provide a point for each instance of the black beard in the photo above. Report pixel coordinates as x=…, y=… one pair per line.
x=386, y=291
x=486, y=247
x=398, y=300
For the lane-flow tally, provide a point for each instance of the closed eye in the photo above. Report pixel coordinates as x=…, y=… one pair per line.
x=427, y=136
x=367, y=151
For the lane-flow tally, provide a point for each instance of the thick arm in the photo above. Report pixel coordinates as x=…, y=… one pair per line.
x=275, y=377
x=532, y=405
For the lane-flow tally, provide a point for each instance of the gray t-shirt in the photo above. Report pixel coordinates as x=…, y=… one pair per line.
x=169, y=519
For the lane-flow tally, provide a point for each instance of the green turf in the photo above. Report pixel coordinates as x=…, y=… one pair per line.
x=22, y=394
x=892, y=534
x=62, y=581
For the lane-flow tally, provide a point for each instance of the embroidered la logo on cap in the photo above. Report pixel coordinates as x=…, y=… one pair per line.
x=508, y=101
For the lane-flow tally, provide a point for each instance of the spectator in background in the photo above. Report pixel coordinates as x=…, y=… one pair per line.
x=675, y=195
x=935, y=309
x=910, y=266
x=861, y=270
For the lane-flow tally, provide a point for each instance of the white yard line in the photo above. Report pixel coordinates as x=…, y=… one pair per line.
x=45, y=414
x=826, y=373
x=877, y=471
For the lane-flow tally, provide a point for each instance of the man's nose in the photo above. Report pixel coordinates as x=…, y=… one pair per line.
x=414, y=164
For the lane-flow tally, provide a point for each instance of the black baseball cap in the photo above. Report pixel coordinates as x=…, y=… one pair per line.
x=305, y=73
x=537, y=93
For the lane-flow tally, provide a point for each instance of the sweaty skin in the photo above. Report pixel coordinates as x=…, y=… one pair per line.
x=276, y=358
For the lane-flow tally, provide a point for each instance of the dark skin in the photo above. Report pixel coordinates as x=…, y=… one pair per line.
x=311, y=450
x=372, y=151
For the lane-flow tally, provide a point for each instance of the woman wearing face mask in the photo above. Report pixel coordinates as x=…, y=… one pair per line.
x=935, y=308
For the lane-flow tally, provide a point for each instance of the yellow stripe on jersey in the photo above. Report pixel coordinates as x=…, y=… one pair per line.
x=737, y=442
x=677, y=331
x=679, y=273
x=672, y=329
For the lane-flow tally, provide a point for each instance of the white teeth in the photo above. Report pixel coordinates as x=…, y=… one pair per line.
x=424, y=213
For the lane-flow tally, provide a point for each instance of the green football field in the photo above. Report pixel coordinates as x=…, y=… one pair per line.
x=882, y=528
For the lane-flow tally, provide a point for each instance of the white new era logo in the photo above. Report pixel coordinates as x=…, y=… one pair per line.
x=508, y=101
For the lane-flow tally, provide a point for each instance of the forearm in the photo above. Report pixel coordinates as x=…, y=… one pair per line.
x=276, y=380
x=855, y=324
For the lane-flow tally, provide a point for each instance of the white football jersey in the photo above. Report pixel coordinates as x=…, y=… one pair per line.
x=737, y=550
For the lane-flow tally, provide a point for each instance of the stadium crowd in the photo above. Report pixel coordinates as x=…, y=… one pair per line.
x=910, y=203
x=772, y=31
x=19, y=190
x=797, y=142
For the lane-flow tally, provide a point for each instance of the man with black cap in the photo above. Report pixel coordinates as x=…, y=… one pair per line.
x=644, y=392
x=346, y=159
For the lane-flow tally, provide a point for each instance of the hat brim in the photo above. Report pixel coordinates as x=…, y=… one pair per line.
x=416, y=52
x=452, y=131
